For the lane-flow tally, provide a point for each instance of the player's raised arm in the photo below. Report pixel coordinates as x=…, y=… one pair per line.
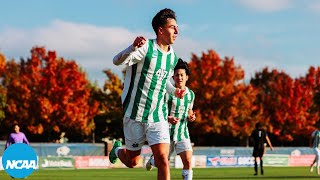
x=133, y=54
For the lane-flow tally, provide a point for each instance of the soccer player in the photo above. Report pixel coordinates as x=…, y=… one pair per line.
x=315, y=144
x=180, y=112
x=16, y=137
x=149, y=64
x=260, y=137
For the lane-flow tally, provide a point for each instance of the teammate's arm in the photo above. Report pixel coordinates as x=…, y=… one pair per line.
x=133, y=54
x=173, y=120
x=25, y=140
x=311, y=139
x=269, y=143
x=9, y=142
x=191, y=113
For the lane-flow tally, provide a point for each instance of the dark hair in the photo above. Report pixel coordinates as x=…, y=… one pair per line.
x=160, y=19
x=182, y=65
x=258, y=125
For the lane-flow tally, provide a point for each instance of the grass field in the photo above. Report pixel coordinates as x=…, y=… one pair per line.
x=141, y=174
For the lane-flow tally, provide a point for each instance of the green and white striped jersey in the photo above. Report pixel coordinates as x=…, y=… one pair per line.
x=146, y=81
x=316, y=139
x=179, y=108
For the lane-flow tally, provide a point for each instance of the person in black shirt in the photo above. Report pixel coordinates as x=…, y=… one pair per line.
x=260, y=138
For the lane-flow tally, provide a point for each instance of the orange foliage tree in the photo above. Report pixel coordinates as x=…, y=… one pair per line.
x=109, y=121
x=286, y=103
x=312, y=81
x=224, y=103
x=3, y=92
x=48, y=95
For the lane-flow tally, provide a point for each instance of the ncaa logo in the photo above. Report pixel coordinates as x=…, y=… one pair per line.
x=19, y=160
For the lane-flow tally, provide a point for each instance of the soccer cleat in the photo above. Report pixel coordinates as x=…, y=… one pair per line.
x=112, y=155
x=311, y=169
x=149, y=166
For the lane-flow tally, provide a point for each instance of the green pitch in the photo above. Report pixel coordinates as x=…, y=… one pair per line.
x=141, y=174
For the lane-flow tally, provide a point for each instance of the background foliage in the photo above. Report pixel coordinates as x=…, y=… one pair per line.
x=48, y=95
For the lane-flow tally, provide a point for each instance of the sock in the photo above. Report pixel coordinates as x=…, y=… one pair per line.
x=117, y=151
x=152, y=161
x=255, y=167
x=261, y=167
x=187, y=174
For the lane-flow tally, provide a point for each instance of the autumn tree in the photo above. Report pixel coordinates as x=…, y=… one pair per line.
x=224, y=103
x=286, y=103
x=48, y=95
x=109, y=122
x=312, y=81
x=3, y=92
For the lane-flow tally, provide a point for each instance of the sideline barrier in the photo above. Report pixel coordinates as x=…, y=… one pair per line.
x=65, y=156
x=91, y=162
x=56, y=162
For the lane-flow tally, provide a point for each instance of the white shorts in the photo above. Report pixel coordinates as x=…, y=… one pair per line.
x=180, y=146
x=136, y=133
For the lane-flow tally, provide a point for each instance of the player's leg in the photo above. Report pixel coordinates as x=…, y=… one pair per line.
x=159, y=140
x=261, y=152
x=161, y=152
x=312, y=164
x=261, y=165
x=150, y=164
x=255, y=155
x=187, y=173
x=255, y=166
x=129, y=158
x=317, y=160
x=184, y=150
x=134, y=138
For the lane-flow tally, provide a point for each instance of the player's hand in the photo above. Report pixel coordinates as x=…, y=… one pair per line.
x=192, y=117
x=179, y=93
x=271, y=148
x=173, y=120
x=139, y=42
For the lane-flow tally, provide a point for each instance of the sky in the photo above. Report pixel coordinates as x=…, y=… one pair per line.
x=281, y=34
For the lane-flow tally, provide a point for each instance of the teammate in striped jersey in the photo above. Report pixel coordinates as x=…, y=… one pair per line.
x=149, y=64
x=315, y=144
x=180, y=113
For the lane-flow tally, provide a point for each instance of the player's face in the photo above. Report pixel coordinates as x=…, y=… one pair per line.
x=169, y=32
x=16, y=128
x=180, y=78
